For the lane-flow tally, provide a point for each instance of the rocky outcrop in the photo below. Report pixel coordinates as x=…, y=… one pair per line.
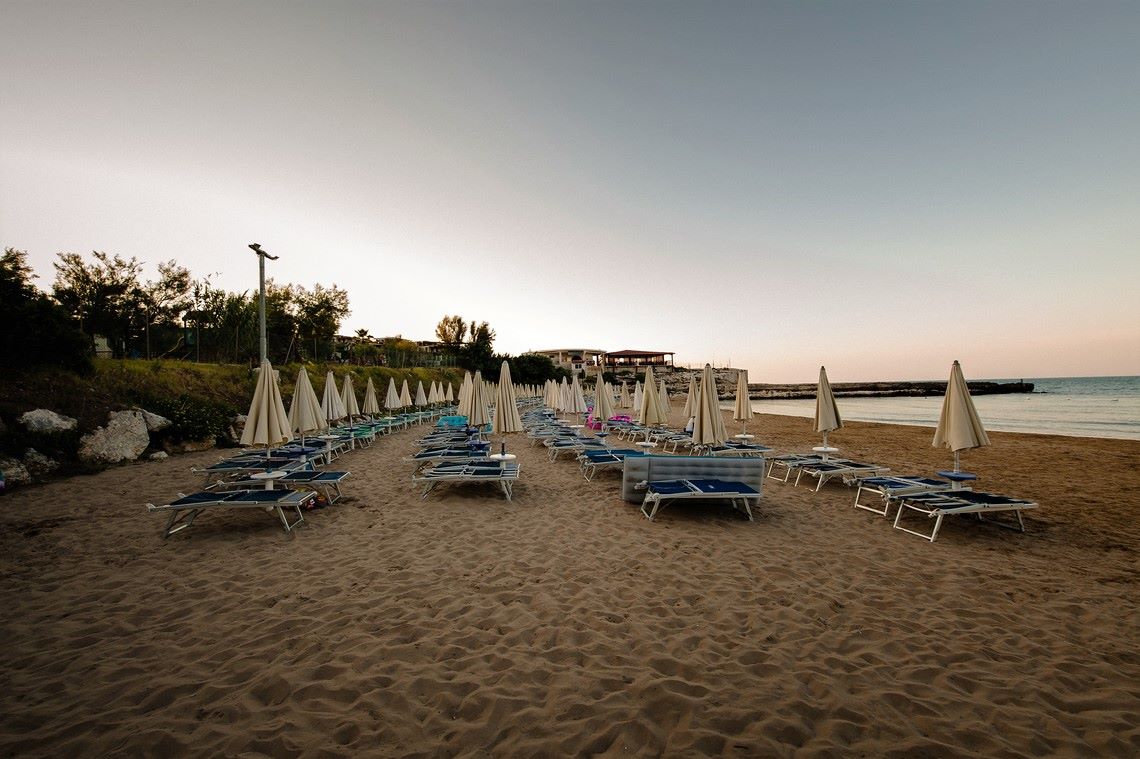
x=43, y=420
x=39, y=465
x=15, y=473
x=123, y=439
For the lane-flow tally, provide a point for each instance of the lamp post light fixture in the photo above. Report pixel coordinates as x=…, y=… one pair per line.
x=261, y=256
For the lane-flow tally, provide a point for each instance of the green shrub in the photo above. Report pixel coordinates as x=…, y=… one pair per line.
x=192, y=418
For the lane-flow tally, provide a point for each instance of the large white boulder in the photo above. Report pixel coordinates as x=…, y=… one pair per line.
x=43, y=420
x=123, y=439
x=154, y=422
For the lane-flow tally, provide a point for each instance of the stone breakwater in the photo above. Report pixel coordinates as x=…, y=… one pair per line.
x=678, y=382
x=884, y=389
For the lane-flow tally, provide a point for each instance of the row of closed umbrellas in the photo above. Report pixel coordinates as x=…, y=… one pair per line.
x=959, y=426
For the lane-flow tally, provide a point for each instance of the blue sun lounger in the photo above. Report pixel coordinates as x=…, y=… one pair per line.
x=891, y=489
x=737, y=493
x=187, y=507
x=937, y=506
x=325, y=483
x=504, y=474
x=246, y=465
x=590, y=461
x=848, y=470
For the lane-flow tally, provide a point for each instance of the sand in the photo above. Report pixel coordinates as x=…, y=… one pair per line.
x=565, y=623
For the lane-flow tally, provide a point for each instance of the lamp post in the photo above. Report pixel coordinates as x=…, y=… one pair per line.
x=261, y=256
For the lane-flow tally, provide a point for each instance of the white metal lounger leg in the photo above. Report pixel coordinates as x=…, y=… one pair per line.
x=179, y=521
x=656, y=504
x=1020, y=526
x=285, y=520
x=938, y=516
x=882, y=512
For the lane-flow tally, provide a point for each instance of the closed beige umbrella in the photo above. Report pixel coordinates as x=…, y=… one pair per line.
x=637, y=397
x=421, y=396
x=465, y=395
x=332, y=408
x=691, y=398
x=959, y=426
x=650, y=411
x=448, y=394
x=405, y=395
x=708, y=424
x=351, y=409
x=663, y=399
x=267, y=423
x=577, y=399
x=305, y=410
x=507, y=417
x=392, y=397
x=479, y=414
x=624, y=401
x=826, y=412
x=742, y=412
x=433, y=394
x=371, y=406
x=603, y=403
x=348, y=398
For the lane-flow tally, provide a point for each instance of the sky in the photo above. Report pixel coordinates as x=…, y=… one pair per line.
x=878, y=187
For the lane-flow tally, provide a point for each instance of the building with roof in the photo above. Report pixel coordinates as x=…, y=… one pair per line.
x=573, y=359
x=628, y=359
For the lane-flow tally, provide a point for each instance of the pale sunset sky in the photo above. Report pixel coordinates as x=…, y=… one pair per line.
x=881, y=187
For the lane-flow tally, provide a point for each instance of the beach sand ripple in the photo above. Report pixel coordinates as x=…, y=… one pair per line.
x=563, y=622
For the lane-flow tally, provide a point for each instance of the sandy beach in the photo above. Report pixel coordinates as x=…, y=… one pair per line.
x=564, y=623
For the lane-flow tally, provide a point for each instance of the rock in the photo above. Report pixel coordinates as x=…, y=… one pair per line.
x=14, y=472
x=37, y=464
x=123, y=439
x=154, y=422
x=43, y=420
x=187, y=446
x=158, y=456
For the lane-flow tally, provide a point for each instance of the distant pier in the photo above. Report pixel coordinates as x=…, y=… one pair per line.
x=758, y=391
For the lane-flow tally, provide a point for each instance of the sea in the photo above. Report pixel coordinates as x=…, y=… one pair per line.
x=1105, y=407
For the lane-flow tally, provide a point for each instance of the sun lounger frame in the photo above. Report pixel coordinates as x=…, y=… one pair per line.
x=938, y=506
x=504, y=474
x=186, y=508
x=891, y=489
x=736, y=493
x=849, y=471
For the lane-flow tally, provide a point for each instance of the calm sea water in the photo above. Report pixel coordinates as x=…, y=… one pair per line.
x=1107, y=407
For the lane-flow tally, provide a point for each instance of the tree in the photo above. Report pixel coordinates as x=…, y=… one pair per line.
x=532, y=369
x=37, y=330
x=165, y=299
x=103, y=296
x=320, y=312
x=364, y=348
x=479, y=351
x=451, y=330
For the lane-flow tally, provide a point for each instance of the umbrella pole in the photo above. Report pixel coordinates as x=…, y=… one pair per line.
x=957, y=463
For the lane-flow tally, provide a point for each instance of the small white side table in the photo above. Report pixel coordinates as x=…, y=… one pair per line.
x=825, y=450
x=269, y=477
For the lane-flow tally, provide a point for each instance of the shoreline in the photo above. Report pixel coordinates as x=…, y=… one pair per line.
x=564, y=622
